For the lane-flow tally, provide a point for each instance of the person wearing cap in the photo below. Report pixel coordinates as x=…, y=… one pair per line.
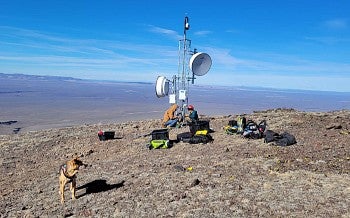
x=170, y=119
x=192, y=113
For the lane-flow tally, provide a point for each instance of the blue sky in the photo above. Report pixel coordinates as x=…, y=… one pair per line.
x=292, y=44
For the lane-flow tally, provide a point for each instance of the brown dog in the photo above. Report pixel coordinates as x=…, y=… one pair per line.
x=68, y=173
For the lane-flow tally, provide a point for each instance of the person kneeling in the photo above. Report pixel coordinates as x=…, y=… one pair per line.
x=170, y=119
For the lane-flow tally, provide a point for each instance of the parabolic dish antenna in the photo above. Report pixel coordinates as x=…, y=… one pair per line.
x=200, y=63
x=162, y=86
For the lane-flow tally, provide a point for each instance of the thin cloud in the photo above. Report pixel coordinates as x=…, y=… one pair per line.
x=336, y=24
x=222, y=56
x=30, y=34
x=233, y=31
x=36, y=43
x=90, y=57
x=274, y=64
x=328, y=40
x=163, y=31
x=202, y=33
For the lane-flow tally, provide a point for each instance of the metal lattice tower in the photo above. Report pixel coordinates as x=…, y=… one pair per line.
x=181, y=81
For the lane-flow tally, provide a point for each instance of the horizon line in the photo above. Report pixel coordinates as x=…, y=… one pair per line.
x=65, y=78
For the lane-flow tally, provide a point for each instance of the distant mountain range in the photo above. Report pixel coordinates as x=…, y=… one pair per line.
x=58, y=78
x=37, y=77
x=17, y=76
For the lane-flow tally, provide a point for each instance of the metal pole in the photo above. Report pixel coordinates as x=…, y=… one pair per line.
x=186, y=26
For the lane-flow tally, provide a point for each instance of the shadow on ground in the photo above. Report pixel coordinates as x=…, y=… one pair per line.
x=99, y=185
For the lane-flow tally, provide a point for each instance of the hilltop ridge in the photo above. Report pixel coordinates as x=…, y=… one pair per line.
x=232, y=176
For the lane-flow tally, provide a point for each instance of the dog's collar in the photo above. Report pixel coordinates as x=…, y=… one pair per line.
x=64, y=171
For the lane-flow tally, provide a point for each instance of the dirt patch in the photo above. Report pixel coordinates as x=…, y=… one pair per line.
x=233, y=176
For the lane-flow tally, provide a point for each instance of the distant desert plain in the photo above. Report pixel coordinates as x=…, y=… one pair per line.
x=42, y=102
x=46, y=121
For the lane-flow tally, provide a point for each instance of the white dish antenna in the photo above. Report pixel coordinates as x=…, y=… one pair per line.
x=162, y=86
x=200, y=63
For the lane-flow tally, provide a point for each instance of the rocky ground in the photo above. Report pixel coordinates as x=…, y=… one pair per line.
x=230, y=177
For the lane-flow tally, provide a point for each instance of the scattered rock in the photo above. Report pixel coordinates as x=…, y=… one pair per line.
x=195, y=182
x=232, y=176
x=334, y=126
x=8, y=122
x=180, y=168
x=16, y=130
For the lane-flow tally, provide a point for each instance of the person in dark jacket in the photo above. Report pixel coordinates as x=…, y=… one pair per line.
x=192, y=113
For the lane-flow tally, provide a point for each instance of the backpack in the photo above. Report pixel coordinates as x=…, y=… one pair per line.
x=241, y=124
x=283, y=139
x=286, y=139
x=232, y=123
x=270, y=136
x=230, y=129
x=262, y=126
x=252, y=130
x=251, y=125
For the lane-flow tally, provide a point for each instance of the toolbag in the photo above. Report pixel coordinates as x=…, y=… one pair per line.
x=196, y=139
x=185, y=137
x=159, y=143
x=201, y=136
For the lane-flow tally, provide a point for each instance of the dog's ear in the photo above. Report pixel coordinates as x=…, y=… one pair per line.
x=78, y=162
